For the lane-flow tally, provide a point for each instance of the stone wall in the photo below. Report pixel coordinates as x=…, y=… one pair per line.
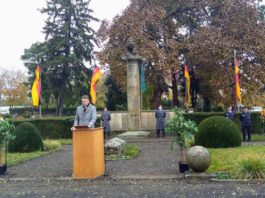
x=119, y=120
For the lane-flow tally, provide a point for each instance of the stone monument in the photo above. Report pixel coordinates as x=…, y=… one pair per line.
x=133, y=86
x=133, y=60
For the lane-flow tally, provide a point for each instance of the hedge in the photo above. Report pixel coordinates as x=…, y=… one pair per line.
x=51, y=111
x=59, y=127
x=257, y=124
x=67, y=111
x=52, y=127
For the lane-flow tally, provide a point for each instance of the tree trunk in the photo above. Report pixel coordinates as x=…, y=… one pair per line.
x=59, y=105
x=157, y=97
x=174, y=82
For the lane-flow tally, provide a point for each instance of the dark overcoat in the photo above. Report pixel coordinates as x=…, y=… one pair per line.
x=105, y=118
x=160, y=119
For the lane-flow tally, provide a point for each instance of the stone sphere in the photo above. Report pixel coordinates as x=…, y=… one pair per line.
x=198, y=158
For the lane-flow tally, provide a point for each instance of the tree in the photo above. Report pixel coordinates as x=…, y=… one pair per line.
x=69, y=42
x=14, y=90
x=2, y=83
x=116, y=98
x=144, y=21
x=202, y=34
x=230, y=25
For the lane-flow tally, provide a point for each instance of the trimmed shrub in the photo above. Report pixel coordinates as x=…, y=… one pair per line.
x=27, y=139
x=256, y=122
x=218, y=132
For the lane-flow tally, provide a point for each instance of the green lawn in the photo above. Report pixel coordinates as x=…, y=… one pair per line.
x=66, y=141
x=17, y=158
x=130, y=151
x=256, y=137
x=226, y=159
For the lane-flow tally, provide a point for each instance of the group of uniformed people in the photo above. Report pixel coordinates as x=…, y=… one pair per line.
x=245, y=118
x=86, y=115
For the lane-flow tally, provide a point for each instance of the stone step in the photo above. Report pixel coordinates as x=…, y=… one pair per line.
x=134, y=135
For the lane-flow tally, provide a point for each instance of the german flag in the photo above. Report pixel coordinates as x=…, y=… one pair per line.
x=187, y=82
x=36, y=88
x=96, y=75
x=238, y=92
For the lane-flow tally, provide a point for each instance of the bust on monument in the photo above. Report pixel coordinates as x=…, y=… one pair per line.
x=132, y=52
x=131, y=47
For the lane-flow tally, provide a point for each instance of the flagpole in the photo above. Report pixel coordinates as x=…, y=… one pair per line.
x=141, y=91
x=40, y=97
x=40, y=110
x=140, y=87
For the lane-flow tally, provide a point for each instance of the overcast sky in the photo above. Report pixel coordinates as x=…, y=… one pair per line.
x=21, y=25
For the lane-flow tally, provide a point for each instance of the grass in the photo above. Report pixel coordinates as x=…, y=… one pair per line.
x=252, y=167
x=256, y=137
x=51, y=145
x=17, y=158
x=65, y=141
x=130, y=151
x=227, y=159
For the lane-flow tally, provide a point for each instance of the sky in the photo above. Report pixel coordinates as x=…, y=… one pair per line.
x=21, y=25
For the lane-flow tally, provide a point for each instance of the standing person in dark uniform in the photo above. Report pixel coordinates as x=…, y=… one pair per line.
x=245, y=118
x=230, y=114
x=105, y=118
x=160, y=115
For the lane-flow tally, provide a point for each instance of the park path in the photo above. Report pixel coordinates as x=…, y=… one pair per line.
x=155, y=159
x=40, y=177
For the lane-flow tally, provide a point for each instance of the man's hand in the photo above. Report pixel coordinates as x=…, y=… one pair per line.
x=73, y=128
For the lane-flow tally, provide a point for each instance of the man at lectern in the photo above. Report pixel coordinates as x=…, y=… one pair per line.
x=86, y=114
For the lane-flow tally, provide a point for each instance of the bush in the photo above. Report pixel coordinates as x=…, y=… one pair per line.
x=256, y=126
x=26, y=116
x=218, y=132
x=183, y=129
x=131, y=150
x=251, y=168
x=27, y=139
x=50, y=145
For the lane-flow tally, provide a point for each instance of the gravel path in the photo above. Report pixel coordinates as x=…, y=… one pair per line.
x=56, y=164
x=125, y=189
x=155, y=158
x=40, y=177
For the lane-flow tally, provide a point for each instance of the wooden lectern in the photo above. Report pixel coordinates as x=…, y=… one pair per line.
x=88, y=152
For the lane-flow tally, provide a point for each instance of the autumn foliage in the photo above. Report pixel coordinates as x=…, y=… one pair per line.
x=202, y=34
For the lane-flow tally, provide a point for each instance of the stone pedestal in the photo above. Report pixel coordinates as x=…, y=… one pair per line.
x=133, y=86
